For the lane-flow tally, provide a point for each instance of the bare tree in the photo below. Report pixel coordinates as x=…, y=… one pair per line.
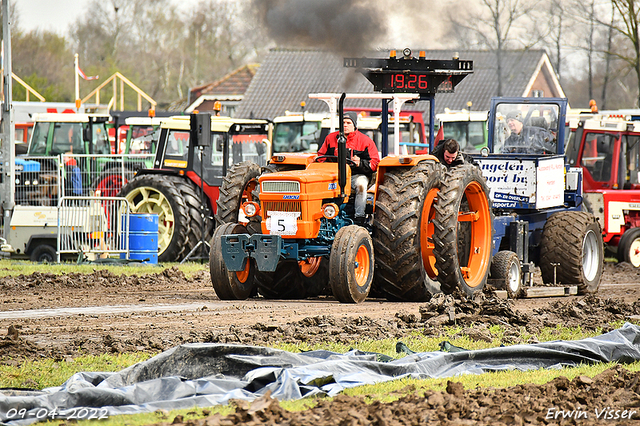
x=494, y=25
x=629, y=11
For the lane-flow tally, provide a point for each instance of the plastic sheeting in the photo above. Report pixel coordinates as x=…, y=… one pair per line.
x=203, y=375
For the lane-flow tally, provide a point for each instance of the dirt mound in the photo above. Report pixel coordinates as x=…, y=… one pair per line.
x=610, y=396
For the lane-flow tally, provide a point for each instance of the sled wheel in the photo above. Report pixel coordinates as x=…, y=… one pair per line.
x=506, y=273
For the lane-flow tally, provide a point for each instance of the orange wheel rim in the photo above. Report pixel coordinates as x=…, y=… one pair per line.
x=243, y=275
x=362, y=266
x=310, y=266
x=480, y=247
x=426, y=233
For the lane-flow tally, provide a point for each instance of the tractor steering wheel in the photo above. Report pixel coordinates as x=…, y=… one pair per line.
x=334, y=159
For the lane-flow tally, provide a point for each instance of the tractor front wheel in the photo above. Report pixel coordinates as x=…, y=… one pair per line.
x=629, y=247
x=351, y=264
x=229, y=285
x=237, y=187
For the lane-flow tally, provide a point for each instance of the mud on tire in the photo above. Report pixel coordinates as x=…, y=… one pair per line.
x=229, y=285
x=573, y=240
x=405, y=266
x=467, y=270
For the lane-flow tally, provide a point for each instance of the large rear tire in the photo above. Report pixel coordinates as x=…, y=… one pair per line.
x=464, y=267
x=403, y=229
x=229, y=285
x=237, y=187
x=292, y=280
x=177, y=205
x=572, y=241
x=351, y=264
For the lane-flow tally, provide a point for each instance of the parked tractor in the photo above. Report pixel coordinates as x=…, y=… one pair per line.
x=301, y=237
x=537, y=197
x=193, y=158
x=607, y=149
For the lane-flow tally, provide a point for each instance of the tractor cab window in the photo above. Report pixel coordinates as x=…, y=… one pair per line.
x=38, y=144
x=633, y=161
x=143, y=140
x=526, y=129
x=296, y=137
x=248, y=147
x=597, y=155
x=217, y=149
x=100, y=139
x=67, y=138
x=469, y=134
x=177, y=144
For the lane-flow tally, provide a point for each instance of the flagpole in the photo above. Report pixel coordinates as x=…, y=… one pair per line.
x=75, y=72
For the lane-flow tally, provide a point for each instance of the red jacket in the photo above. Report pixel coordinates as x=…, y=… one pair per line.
x=357, y=144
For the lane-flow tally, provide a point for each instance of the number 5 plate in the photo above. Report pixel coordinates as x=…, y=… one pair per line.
x=283, y=223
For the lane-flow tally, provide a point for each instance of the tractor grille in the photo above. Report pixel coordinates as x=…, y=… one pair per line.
x=280, y=186
x=282, y=206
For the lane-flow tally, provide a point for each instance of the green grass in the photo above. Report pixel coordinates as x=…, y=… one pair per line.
x=17, y=267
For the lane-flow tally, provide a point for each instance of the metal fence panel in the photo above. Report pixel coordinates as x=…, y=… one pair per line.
x=37, y=181
x=95, y=226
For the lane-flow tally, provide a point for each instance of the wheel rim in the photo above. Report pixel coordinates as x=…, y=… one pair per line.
x=310, y=266
x=480, y=218
x=146, y=199
x=362, y=266
x=426, y=233
x=590, y=257
x=110, y=186
x=514, y=278
x=634, y=252
x=243, y=275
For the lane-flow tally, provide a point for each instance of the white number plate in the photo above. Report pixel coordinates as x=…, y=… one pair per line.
x=283, y=223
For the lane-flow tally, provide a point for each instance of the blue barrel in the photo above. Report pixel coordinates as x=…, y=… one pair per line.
x=143, y=237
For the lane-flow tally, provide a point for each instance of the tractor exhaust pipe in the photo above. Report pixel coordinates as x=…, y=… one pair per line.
x=342, y=149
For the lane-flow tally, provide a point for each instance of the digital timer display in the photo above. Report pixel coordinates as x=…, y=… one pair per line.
x=414, y=82
x=406, y=81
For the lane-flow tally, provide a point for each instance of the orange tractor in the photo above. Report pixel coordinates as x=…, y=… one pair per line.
x=427, y=229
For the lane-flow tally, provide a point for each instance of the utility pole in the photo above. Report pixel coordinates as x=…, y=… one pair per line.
x=7, y=147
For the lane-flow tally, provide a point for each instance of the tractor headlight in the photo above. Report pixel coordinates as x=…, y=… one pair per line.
x=330, y=210
x=250, y=208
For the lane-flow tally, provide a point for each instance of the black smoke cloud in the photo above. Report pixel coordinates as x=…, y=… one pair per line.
x=346, y=27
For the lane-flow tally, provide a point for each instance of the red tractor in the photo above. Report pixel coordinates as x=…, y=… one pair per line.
x=607, y=148
x=193, y=157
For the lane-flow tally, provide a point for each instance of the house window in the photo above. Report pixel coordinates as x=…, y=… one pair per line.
x=537, y=93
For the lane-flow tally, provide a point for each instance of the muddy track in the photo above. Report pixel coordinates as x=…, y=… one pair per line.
x=45, y=315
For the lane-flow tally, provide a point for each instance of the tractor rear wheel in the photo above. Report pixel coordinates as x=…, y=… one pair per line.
x=237, y=187
x=403, y=229
x=571, y=244
x=229, y=285
x=351, y=264
x=463, y=212
x=629, y=247
x=177, y=204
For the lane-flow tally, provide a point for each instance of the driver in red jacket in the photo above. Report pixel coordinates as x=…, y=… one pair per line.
x=363, y=155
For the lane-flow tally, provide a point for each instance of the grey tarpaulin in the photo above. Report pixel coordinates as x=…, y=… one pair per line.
x=203, y=374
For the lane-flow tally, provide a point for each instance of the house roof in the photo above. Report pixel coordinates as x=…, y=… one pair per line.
x=232, y=85
x=287, y=76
